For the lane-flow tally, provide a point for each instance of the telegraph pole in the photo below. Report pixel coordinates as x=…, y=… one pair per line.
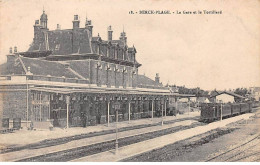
x=27, y=102
x=117, y=107
x=67, y=102
x=108, y=106
x=221, y=110
x=176, y=105
x=129, y=111
x=152, y=108
x=165, y=107
x=116, y=131
x=162, y=114
x=189, y=109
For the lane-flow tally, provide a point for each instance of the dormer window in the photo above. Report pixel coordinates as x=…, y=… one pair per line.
x=57, y=47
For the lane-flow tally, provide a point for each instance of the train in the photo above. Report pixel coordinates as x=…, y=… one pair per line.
x=212, y=111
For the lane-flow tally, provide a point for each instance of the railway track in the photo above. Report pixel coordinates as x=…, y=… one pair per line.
x=249, y=157
x=63, y=140
x=71, y=154
x=241, y=152
x=180, y=148
x=246, y=151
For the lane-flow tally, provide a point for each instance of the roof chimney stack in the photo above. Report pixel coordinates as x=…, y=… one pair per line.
x=37, y=22
x=109, y=33
x=58, y=26
x=89, y=26
x=11, y=50
x=15, y=49
x=157, y=78
x=123, y=38
x=76, y=22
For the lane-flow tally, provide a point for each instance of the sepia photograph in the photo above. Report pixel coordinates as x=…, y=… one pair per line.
x=129, y=81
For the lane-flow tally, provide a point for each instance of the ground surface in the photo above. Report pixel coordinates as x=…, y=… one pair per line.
x=67, y=145
x=19, y=138
x=181, y=138
x=236, y=142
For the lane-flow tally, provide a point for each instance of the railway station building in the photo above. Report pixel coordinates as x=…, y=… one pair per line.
x=226, y=97
x=69, y=77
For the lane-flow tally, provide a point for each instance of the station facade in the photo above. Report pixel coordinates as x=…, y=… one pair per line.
x=71, y=78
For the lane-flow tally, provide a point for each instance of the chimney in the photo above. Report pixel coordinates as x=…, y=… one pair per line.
x=123, y=37
x=90, y=27
x=37, y=22
x=76, y=22
x=15, y=49
x=11, y=50
x=58, y=27
x=157, y=78
x=109, y=33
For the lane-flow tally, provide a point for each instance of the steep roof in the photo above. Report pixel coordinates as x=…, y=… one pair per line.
x=228, y=93
x=44, y=67
x=143, y=80
x=3, y=69
x=96, y=38
x=62, y=42
x=44, y=16
x=15, y=66
x=131, y=49
x=81, y=67
x=202, y=99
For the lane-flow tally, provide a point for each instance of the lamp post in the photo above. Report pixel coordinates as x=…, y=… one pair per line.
x=221, y=110
x=152, y=108
x=129, y=111
x=162, y=113
x=176, y=105
x=165, y=107
x=41, y=106
x=67, y=102
x=108, y=106
x=27, y=102
x=116, y=131
x=117, y=107
x=189, y=109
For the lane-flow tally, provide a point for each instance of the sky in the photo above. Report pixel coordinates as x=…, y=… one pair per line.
x=210, y=51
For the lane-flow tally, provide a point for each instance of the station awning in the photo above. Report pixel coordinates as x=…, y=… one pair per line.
x=95, y=91
x=109, y=91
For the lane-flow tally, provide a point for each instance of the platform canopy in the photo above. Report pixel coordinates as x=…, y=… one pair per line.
x=102, y=91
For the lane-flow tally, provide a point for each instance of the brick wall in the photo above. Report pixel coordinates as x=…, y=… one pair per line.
x=14, y=102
